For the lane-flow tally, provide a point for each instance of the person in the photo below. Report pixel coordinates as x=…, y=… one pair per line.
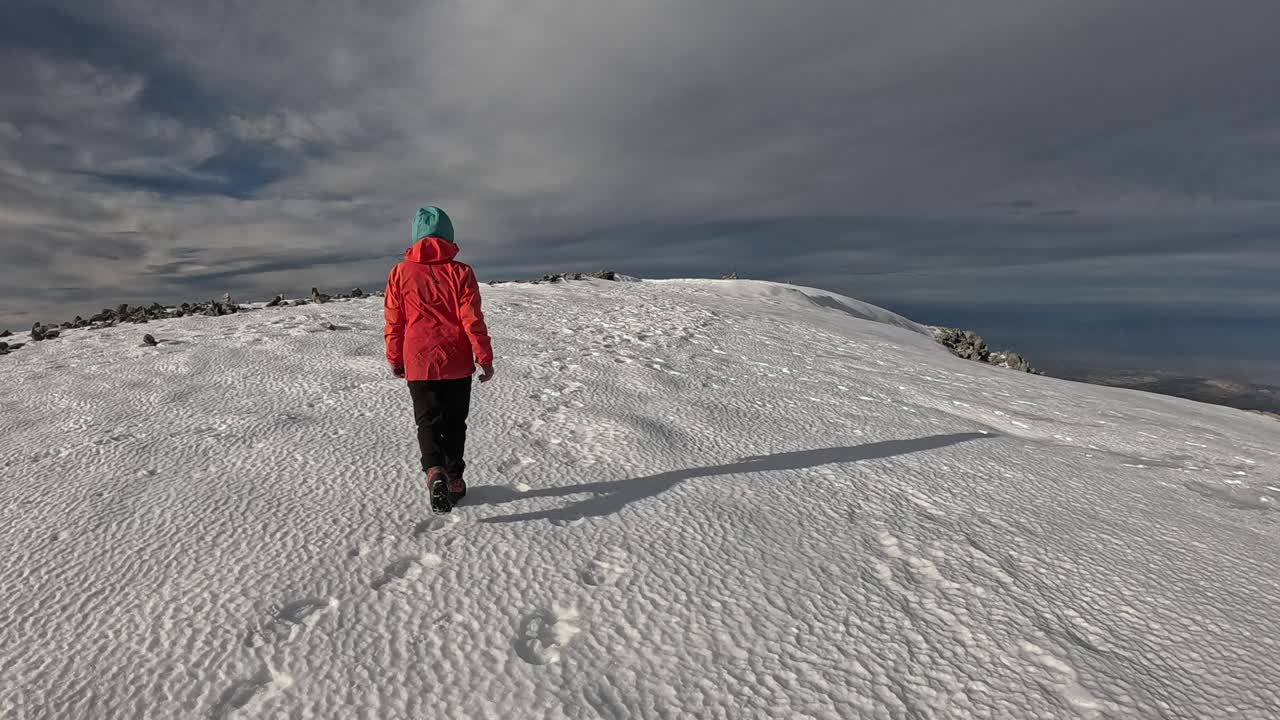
x=436, y=336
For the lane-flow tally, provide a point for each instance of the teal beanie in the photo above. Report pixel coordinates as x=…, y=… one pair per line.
x=432, y=222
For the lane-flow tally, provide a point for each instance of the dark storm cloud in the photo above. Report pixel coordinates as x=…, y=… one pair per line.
x=79, y=33
x=900, y=150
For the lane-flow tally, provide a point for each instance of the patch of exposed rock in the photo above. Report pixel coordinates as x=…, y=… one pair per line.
x=140, y=314
x=609, y=275
x=969, y=345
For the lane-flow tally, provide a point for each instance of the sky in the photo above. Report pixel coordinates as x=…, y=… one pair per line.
x=1096, y=180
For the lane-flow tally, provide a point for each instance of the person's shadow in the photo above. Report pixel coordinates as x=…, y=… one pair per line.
x=612, y=496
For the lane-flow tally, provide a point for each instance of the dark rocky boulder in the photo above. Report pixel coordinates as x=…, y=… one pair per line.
x=1011, y=360
x=149, y=341
x=966, y=344
x=217, y=309
x=969, y=345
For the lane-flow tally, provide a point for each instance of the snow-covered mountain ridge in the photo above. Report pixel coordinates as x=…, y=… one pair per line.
x=691, y=499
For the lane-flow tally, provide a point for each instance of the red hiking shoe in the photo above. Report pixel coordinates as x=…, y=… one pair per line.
x=457, y=488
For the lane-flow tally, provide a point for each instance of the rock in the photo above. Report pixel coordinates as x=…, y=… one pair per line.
x=963, y=343
x=226, y=299
x=599, y=275
x=357, y=293
x=318, y=297
x=969, y=345
x=149, y=341
x=16, y=346
x=277, y=301
x=299, y=303
x=37, y=332
x=50, y=334
x=218, y=309
x=4, y=346
x=5, y=333
x=731, y=276
x=330, y=327
x=1011, y=360
x=122, y=310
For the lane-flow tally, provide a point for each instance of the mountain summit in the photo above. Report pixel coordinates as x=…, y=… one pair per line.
x=689, y=499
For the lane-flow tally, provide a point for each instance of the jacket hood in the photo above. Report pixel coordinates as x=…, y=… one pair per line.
x=431, y=250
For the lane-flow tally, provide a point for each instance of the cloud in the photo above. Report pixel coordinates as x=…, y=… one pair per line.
x=1038, y=147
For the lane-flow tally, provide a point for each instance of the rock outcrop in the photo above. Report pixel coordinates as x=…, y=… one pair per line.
x=969, y=345
x=609, y=275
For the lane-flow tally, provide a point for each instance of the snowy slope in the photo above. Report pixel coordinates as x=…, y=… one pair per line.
x=697, y=500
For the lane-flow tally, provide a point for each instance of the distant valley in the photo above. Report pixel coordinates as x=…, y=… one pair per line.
x=1244, y=396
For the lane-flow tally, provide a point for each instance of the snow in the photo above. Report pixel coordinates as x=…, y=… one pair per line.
x=690, y=499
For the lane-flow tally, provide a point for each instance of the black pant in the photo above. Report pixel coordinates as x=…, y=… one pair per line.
x=440, y=408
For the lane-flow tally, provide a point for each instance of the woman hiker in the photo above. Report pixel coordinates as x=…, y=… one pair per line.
x=436, y=337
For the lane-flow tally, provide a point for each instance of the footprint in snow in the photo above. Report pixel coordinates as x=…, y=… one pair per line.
x=541, y=635
x=289, y=620
x=433, y=525
x=408, y=567
x=250, y=694
x=605, y=568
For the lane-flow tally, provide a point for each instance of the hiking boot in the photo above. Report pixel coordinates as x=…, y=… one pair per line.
x=438, y=483
x=457, y=488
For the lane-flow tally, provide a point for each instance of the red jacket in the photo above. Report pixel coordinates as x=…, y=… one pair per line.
x=435, y=328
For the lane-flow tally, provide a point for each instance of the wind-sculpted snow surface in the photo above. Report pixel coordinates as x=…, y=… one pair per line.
x=689, y=500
